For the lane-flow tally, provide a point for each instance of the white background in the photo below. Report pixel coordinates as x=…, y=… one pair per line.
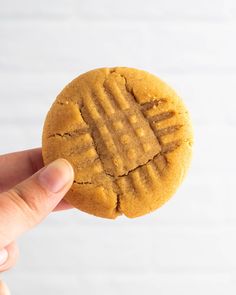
x=186, y=247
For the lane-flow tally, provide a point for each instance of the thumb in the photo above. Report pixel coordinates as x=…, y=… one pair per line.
x=25, y=205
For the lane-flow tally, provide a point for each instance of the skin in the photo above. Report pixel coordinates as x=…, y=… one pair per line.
x=24, y=201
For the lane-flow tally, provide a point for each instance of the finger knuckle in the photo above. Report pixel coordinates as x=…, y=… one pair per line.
x=28, y=210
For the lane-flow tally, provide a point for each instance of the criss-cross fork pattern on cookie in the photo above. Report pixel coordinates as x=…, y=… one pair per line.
x=125, y=140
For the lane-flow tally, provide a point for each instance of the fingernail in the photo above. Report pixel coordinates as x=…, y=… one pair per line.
x=56, y=175
x=3, y=256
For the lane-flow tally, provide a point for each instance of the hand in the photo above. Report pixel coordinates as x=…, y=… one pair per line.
x=28, y=193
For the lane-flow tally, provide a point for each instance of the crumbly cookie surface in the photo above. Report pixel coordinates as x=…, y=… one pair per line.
x=127, y=135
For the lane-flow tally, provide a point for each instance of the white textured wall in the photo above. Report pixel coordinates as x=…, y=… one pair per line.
x=186, y=247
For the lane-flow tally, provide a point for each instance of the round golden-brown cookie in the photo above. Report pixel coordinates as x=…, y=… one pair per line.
x=128, y=137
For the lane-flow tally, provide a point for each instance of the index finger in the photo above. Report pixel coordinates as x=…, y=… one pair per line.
x=16, y=167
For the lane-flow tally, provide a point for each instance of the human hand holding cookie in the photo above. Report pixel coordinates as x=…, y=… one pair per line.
x=28, y=193
x=116, y=141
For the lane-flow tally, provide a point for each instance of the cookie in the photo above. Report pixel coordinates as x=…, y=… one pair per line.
x=128, y=137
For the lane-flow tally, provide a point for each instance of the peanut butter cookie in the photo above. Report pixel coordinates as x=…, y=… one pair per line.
x=128, y=137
